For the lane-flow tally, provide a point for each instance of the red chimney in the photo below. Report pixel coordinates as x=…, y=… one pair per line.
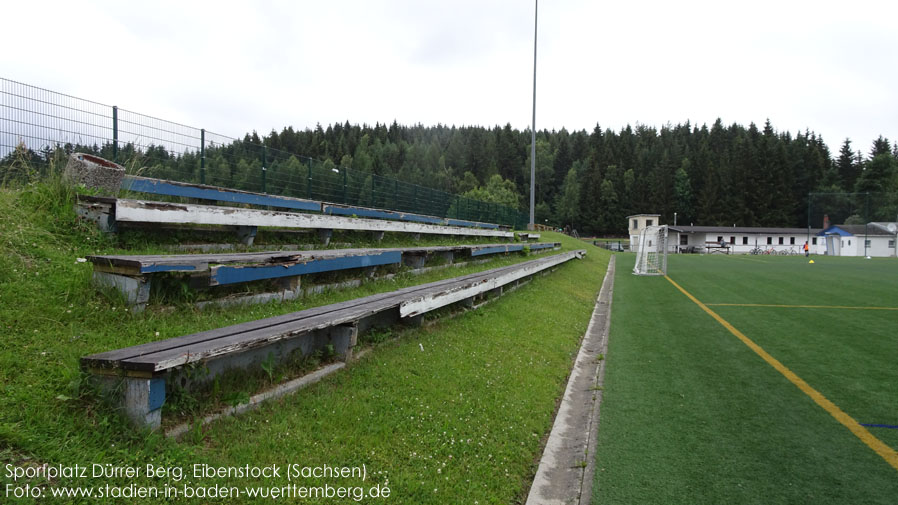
x=825, y=221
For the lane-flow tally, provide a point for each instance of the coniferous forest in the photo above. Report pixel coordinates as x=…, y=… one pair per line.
x=588, y=181
x=717, y=175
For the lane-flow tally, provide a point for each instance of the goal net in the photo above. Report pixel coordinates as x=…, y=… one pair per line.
x=651, y=251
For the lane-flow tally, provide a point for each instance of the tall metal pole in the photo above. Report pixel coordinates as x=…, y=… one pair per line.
x=532, y=226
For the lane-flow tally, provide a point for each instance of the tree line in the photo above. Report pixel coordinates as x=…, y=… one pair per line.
x=589, y=181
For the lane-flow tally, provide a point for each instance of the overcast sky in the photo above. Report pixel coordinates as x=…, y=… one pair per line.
x=234, y=67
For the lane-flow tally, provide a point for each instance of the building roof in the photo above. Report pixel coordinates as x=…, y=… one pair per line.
x=644, y=215
x=855, y=230
x=744, y=230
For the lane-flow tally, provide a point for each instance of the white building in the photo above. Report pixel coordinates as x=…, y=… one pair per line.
x=872, y=239
x=875, y=239
x=637, y=223
x=742, y=240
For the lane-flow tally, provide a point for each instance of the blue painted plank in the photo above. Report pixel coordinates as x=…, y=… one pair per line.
x=161, y=187
x=496, y=249
x=151, y=269
x=233, y=274
x=156, y=398
x=471, y=224
x=380, y=214
x=541, y=246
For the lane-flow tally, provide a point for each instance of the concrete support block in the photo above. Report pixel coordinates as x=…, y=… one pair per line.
x=141, y=399
x=416, y=236
x=136, y=290
x=290, y=287
x=100, y=213
x=468, y=303
x=447, y=256
x=413, y=260
x=378, y=236
x=413, y=321
x=94, y=172
x=247, y=234
x=325, y=235
x=344, y=338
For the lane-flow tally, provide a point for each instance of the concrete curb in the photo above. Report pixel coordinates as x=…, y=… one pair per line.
x=567, y=466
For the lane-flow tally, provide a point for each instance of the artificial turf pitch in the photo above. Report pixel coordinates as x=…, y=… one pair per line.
x=691, y=414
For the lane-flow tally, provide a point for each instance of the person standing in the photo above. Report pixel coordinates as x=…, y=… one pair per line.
x=806, y=249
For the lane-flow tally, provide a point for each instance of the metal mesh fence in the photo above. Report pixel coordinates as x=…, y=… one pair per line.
x=42, y=127
x=851, y=208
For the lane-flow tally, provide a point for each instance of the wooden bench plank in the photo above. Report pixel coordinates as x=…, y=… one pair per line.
x=343, y=210
x=435, y=298
x=495, y=249
x=140, y=211
x=161, y=355
x=135, y=264
x=227, y=274
x=203, y=192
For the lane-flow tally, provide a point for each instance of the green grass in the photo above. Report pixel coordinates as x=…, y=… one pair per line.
x=478, y=398
x=692, y=415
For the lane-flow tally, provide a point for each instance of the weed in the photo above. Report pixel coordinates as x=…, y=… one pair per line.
x=269, y=366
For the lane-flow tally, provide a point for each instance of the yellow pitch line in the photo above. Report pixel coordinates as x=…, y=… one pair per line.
x=797, y=306
x=886, y=452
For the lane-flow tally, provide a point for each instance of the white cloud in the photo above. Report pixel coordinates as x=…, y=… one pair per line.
x=232, y=67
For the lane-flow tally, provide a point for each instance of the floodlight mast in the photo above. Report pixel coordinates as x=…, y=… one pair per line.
x=532, y=225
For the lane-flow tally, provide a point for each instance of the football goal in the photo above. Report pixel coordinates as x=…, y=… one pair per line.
x=651, y=251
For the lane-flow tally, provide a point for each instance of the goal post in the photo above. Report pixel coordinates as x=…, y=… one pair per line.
x=651, y=251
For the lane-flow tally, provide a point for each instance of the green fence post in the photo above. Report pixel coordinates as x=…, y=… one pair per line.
x=202, y=156
x=115, y=133
x=309, y=181
x=344, y=185
x=263, y=170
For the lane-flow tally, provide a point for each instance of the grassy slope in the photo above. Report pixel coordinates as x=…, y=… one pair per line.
x=691, y=415
x=479, y=397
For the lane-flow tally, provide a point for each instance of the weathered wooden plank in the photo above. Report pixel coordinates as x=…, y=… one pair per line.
x=173, y=188
x=227, y=274
x=343, y=210
x=272, y=325
x=159, y=212
x=135, y=264
x=162, y=355
x=462, y=222
x=495, y=249
x=110, y=357
x=437, y=298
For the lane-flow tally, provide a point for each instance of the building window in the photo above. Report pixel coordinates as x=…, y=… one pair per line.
x=849, y=242
x=781, y=241
x=867, y=243
x=791, y=240
x=732, y=240
x=648, y=222
x=769, y=240
x=744, y=240
x=635, y=224
x=892, y=243
x=684, y=239
x=814, y=241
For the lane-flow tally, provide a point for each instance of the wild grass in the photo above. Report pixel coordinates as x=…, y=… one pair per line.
x=478, y=398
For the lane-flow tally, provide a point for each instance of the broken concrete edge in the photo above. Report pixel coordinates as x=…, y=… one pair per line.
x=567, y=466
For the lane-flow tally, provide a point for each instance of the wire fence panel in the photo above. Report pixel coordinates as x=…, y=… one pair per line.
x=41, y=128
